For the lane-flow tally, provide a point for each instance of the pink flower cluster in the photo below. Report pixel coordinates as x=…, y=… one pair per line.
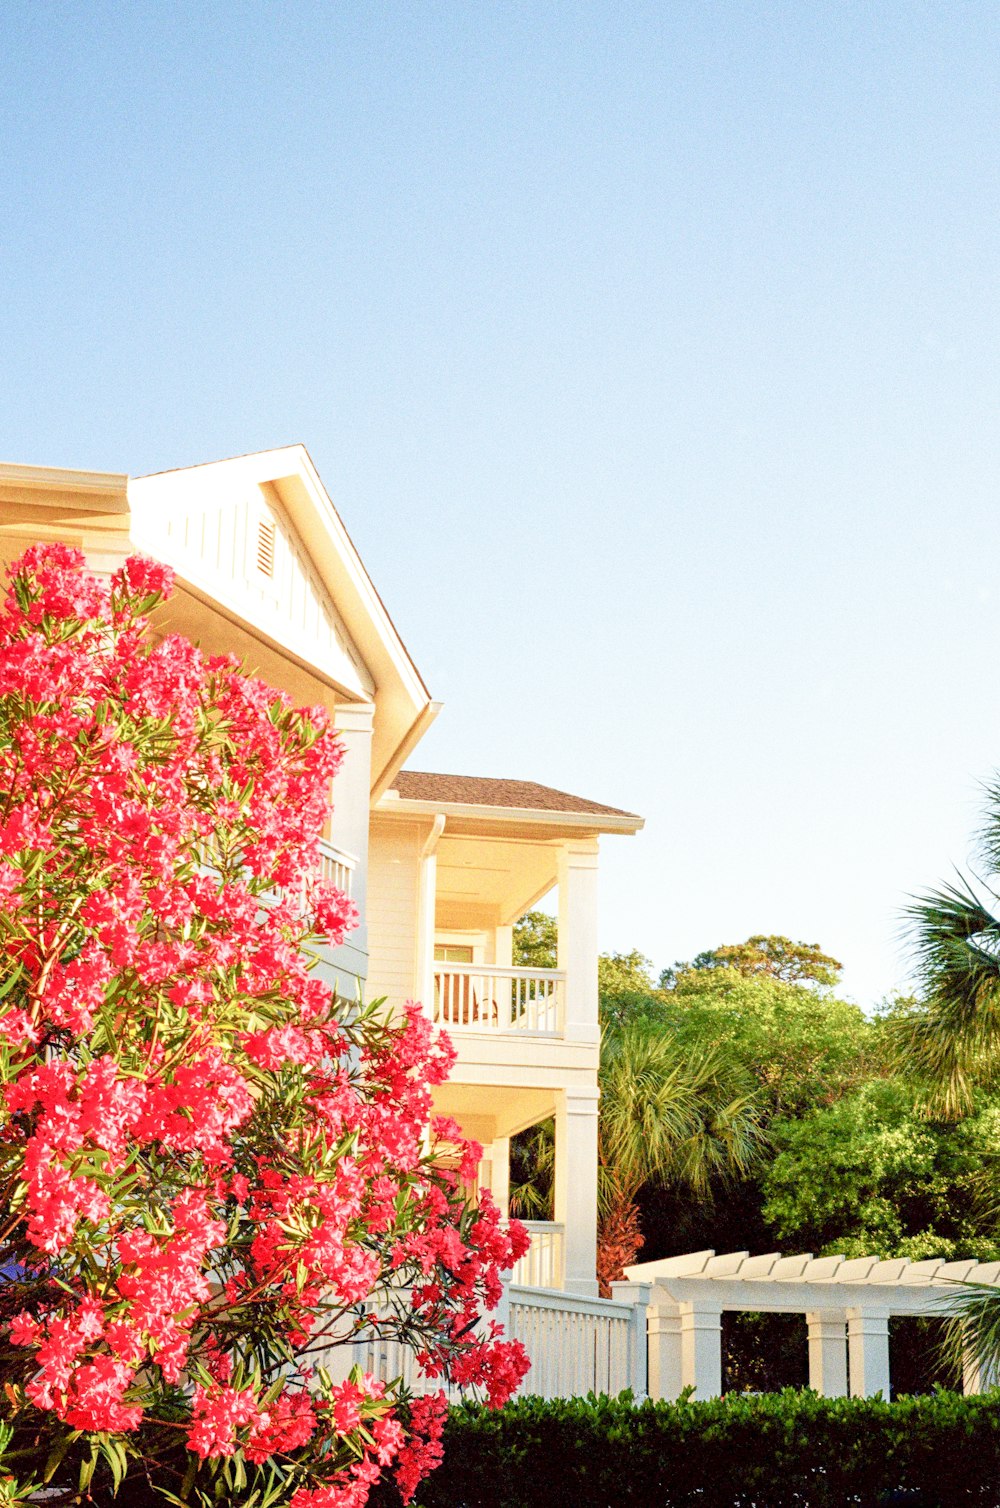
x=212, y=1167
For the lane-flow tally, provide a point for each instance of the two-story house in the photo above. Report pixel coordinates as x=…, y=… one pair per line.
x=440, y=866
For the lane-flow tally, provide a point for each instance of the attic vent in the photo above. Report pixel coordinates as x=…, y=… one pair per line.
x=265, y=547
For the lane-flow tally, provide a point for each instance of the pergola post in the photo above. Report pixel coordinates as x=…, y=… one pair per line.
x=868, y=1350
x=828, y=1351
x=701, y=1348
x=663, y=1330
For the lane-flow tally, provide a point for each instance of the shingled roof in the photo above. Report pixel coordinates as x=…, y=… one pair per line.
x=480, y=790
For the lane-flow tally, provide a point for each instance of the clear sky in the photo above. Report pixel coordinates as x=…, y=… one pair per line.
x=650, y=352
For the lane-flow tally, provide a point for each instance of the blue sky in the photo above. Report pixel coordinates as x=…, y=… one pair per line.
x=650, y=352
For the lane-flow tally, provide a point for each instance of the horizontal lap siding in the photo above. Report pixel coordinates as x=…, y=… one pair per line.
x=393, y=876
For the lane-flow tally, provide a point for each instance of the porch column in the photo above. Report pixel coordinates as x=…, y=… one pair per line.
x=701, y=1348
x=503, y=958
x=349, y=822
x=500, y=1173
x=426, y=903
x=351, y=787
x=828, y=1352
x=576, y=1188
x=578, y=937
x=868, y=1349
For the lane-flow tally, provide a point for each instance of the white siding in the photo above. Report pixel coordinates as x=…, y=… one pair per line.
x=393, y=877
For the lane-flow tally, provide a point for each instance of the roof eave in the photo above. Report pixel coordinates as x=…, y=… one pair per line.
x=601, y=822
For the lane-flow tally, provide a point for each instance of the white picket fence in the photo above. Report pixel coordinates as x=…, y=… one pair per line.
x=577, y=1346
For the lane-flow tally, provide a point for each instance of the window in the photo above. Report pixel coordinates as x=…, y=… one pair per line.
x=452, y=953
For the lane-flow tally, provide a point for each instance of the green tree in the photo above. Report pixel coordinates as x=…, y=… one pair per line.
x=764, y=955
x=804, y=1048
x=536, y=941
x=871, y=1175
x=627, y=990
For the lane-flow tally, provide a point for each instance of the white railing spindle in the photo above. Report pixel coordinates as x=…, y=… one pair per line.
x=490, y=998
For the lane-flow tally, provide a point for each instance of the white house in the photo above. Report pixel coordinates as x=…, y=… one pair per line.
x=440, y=866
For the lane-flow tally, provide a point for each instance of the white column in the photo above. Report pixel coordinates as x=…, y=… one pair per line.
x=576, y=1188
x=701, y=1348
x=578, y=937
x=666, y=1372
x=503, y=957
x=868, y=1350
x=352, y=801
x=828, y=1352
x=426, y=904
x=500, y=1173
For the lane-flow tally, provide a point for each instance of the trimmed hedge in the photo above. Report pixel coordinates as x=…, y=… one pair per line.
x=779, y=1450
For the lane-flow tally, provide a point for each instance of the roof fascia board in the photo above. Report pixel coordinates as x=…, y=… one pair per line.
x=362, y=583
x=391, y=768
x=72, y=489
x=538, y=817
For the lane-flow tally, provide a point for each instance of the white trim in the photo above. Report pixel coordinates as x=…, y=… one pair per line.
x=399, y=806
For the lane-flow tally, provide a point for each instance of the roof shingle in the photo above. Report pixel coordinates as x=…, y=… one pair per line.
x=480, y=790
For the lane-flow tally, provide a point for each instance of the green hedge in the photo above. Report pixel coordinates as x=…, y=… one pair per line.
x=780, y=1450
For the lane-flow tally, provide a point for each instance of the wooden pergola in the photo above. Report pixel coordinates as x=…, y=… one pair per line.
x=847, y=1304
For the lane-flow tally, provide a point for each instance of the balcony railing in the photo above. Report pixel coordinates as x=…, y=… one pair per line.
x=542, y=1264
x=336, y=866
x=499, y=1001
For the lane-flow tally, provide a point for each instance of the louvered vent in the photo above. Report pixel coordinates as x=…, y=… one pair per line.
x=265, y=547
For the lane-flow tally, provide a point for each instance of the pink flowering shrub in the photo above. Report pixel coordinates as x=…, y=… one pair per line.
x=215, y=1174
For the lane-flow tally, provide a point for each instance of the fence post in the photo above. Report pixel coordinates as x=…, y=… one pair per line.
x=636, y=1294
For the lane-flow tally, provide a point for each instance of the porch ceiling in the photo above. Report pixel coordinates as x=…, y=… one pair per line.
x=488, y=1111
x=490, y=880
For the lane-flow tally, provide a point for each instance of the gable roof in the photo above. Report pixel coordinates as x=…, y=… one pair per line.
x=404, y=707
x=107, y=513
x=521, y=796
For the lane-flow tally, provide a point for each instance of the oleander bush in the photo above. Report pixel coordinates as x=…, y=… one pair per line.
x=780, y=1450
x=214, y=1173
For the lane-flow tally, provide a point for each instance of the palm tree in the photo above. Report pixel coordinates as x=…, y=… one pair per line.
x=952, y=1042
x=669, y=1116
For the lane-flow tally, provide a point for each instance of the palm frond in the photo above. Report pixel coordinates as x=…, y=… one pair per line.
x=988, y=843
x=972, y=1342
x=668, y=1114
x=956, y=940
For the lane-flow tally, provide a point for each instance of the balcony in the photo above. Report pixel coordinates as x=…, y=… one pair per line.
x=496, y=1001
